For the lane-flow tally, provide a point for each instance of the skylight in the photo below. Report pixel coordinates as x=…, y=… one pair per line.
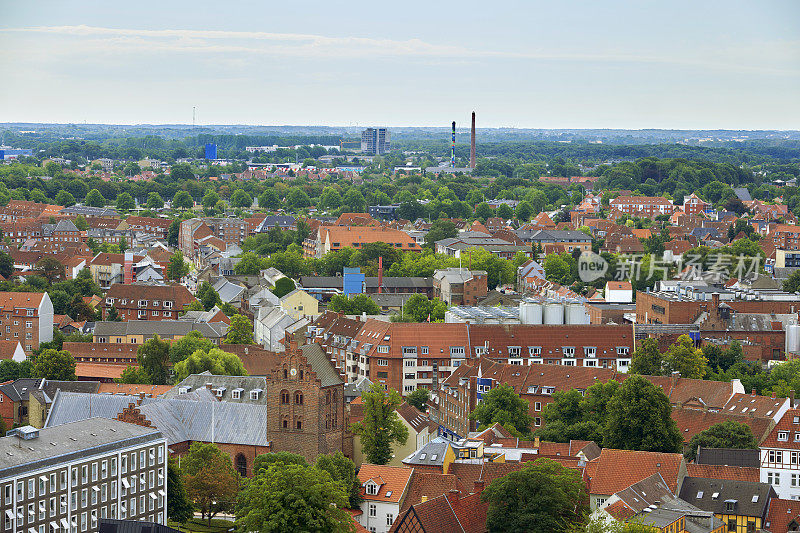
x=388, y=493
x=699, y=494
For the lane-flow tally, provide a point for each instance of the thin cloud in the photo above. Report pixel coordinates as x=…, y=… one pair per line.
x=320, y=46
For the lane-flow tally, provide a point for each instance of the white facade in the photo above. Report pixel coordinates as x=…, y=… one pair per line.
x=378, y=516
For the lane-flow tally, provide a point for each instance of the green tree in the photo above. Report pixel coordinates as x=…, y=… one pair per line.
x=113, y=315
x=502, y=405
x=343, y=471
x=241, y=198
x=381, y=425
x=265, y=460
x=209, y=478
x=292, y=497
x=134, y=375
x=182, y=200
x=154, y=201
x=269, y=199
x=557, y=269
x=240, y=330
x=57, y=365
x=6, y=265
x=283, y=287
x=524, y=211
x=80, y=223
x=440, y=229
x=418, y=308
x=646, y=359
x=208, y=296
x=685, y=358
x=153, y=357
x=639, y=419
x=215, y=361
x=65, y=198
x=95, y=199
x=125, y=202
x=330, y=198
x=728, y=434
x=187, y=345
x=210, y=199
x=419, y=399
x=50, y=269
x=249, y=264
x=179, y=508
x=355, y=305
x=177, y=267
x=297, y=198
x=483, y=211
x=504, y=211
x=173, y=232
x=792, y=283
x=542, y=497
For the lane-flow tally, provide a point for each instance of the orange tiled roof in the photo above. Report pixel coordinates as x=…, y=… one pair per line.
x=790, y=423
x=392, y=479
x=733, y=473
x=619, y=469
x=28, y=300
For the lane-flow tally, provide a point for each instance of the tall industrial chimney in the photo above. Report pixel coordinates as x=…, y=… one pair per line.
x=453, y=148
x=127, y=273
x=472, y=144
x=380, y=274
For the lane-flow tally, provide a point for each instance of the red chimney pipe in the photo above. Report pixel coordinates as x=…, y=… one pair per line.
x=472, y=144
x=380, y=274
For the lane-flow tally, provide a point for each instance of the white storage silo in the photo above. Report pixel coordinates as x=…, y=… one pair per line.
x=793, y=339
x=553, y=313
x=530, y=313
x=576, y=313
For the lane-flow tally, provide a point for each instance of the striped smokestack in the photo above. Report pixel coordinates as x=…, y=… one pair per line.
x=453, y=148
x=472, y=143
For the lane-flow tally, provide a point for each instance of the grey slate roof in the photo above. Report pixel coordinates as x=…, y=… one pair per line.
x=223, y=387
x=728, y=457
x=556, y=235
x=179, y=420
x=149, y=328
x=223, y=422
x=65, y=225
x=228, y=291
x=743, y=194
x=18, y=390
x=89, y=210
x=321, y=364
x=72, y=441
x=425, y=455
x=700, y=493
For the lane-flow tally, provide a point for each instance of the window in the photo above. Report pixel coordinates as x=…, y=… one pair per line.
x=590, y=351
x=534, y=351
x=730, y=506
x=537, y=421
x=424, y=350
x=775, y=456
x=383, y=348
x=236, y=394
x=389, y=519
x=94, y=471
x=298, y=398
x=372, y=489
x=409, y=351
x=774, y=478
x=456, y=351
x=569, y=351
x=373, y=510
x=514, y=351
x=783, y=435
x=622, y=350
x=410, y=362
x=382, y=362
x=537, y=406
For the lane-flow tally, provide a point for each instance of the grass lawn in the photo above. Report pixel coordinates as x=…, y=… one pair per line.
x=197, y=525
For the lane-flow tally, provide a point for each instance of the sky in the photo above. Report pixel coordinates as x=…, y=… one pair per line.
x=698, y=64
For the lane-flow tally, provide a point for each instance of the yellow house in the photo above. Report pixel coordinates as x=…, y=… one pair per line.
x=741, y=505
x=299, y=303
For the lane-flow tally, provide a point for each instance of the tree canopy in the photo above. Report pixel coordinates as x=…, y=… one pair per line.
x=728, y=434
x=381, y=426
x=501, y=405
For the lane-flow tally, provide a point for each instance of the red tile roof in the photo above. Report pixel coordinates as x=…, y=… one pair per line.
x=616, y=470
x=692, y=421
x=26, y=300
x=789, y=423
x=734, y=473
x=392, y=481
x=782, y=514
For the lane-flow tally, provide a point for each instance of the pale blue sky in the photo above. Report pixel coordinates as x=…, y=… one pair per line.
x=571, y=64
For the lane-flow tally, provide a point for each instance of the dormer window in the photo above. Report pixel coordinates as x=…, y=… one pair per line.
x=590, y=351
x=142, y=303
x=372, y=489
x=569, y=351
x=783, y=436
x=254, y=394
x=730, y=505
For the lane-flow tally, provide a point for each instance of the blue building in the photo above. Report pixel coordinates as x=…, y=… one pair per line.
x=352, y=281
x=211, y=151
x=7, y=153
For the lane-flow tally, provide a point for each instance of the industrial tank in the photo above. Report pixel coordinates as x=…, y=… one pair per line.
x=576, y=313
x=553, y=313
x=530, y=313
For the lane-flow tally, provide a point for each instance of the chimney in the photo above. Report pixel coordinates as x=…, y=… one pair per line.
x=453, y=497
x=479, y=485
x=423, y=499
x=535, y=442
x=753, y=393
x=791, y=398
x=773, y=395
x=128, y=270
x=675, y=377
x=472, y=143
x=715, y=301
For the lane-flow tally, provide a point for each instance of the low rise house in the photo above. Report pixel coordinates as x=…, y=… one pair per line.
x=142, y=301
x=26, y=317
x=741, y=505
x=460, y=286
x=139, y=331
x=384, y=489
